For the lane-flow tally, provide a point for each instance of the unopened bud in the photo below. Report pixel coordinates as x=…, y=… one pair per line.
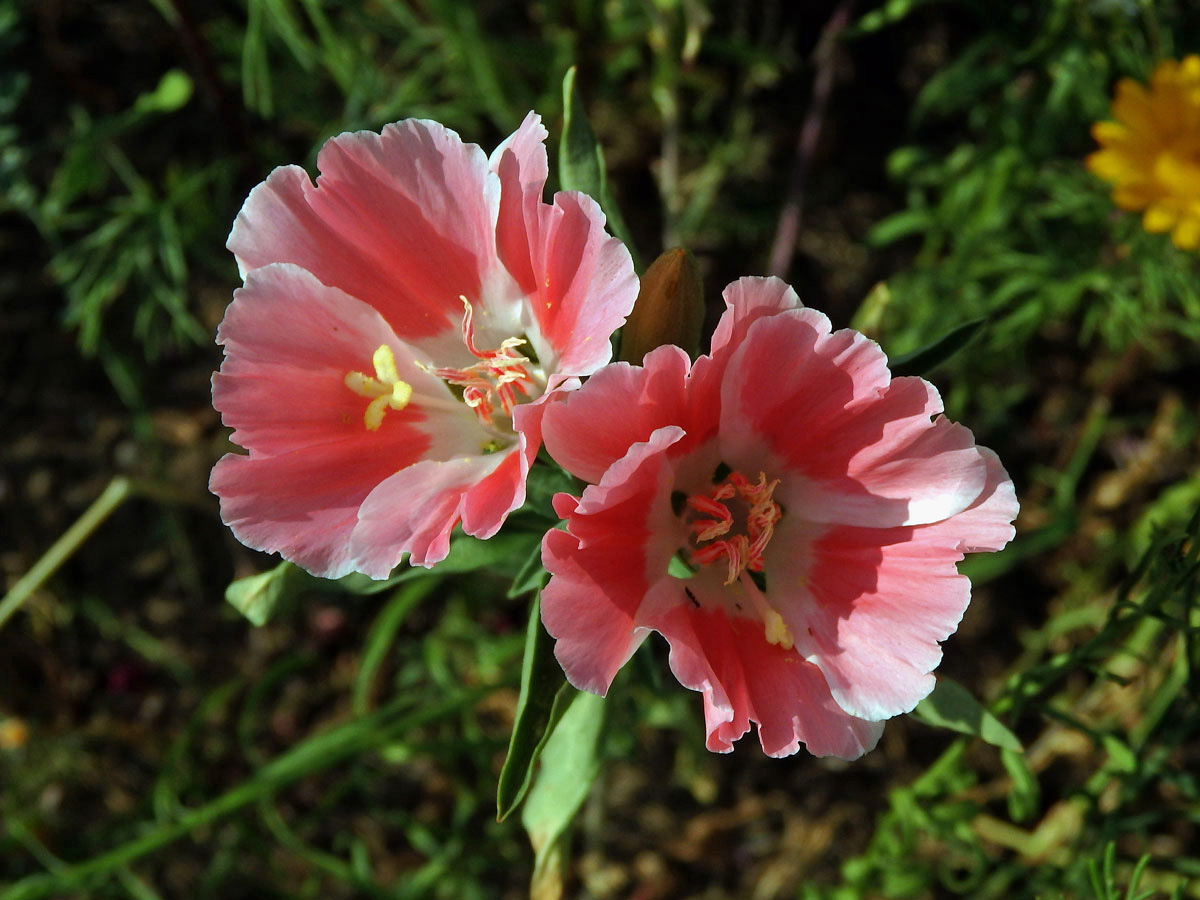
x=669, y=308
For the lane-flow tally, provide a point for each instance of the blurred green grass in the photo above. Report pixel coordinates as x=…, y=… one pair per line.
x=168, y=749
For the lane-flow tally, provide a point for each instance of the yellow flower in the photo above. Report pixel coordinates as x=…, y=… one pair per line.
x=1151, y=152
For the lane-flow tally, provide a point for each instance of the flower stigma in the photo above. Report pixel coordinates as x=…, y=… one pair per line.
x=497, y=381
x=386, y=390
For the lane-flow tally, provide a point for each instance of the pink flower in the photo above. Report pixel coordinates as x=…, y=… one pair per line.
x=819, y=509
x=400, y=327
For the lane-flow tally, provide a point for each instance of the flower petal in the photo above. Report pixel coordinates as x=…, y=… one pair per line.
x=600, y=566
x=587, y=431
x=746, y=301
x=870, y=605
x=862, y=448
x=521, y=164
x=302, y=505
x=403, y=220
x=414, y=511
x=586, y=285
x=744, y=679
x=289, y=343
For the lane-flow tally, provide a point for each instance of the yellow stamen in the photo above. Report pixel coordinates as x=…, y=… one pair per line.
x=776, y=631
x=386, y=390
x=774, y=628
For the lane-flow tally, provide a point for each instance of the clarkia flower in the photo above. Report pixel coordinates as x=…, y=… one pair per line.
x=1151, y=152
x=400, y=327
x=784, y=512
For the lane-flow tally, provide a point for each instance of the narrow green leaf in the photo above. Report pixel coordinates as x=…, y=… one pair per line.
x=544, y=698
x=570, y=763
x=952, y=706
x=381, y=637
x=581, y=161
x=925, y=360
x=531, y=576
x=504, y=554
x=1025, y=796
x=1122, y=756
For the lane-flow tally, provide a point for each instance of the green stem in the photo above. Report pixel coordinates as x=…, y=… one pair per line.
x=114, y=495
x=118, y=491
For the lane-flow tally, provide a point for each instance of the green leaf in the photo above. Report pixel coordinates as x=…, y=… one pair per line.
x=581, y=161
x=505, y=554
x=1122, y=756
x=570, y=763
x=544, y=698
x=543, y=482
x=531, y=576
x=928, y=358
x=258, y=597
x=174, y=90
x=1025, y=796
x=952, y=706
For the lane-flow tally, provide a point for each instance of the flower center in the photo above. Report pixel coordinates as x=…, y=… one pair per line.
x=386, y=390
x=731, y=524
x=493, y=382
x=715, y=514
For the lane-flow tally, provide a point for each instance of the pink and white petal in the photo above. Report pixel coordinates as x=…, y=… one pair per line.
x=489, y=501
x=586, y=285
x=744, y=679
x=934, y=476
x=861, y=448
x=986, y=525
x=617, y=535
x=289, y=343
x=302, y=505
x=403, y=220
x=587, y=430
x=746, y=301
x=797, y=386
x=413, y=511
x=874, y=603
x=588, y=606
x=521, y=164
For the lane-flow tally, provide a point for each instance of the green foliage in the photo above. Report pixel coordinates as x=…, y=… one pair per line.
x=1004, y=221
x=570, y=762
x=544, y=698
x=951, y=706
x=937, y=831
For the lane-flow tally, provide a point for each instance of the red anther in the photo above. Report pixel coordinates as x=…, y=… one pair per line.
x=743, y=551
x=494, y=379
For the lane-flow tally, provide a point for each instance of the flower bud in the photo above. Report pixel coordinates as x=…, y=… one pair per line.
x=669, y=308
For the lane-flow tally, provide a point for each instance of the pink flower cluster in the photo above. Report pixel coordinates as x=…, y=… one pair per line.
x=784, y=512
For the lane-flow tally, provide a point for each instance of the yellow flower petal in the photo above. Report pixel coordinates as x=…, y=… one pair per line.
x=1158, y=219
x=1110, y=165
x=1110, y=132
x=1135, y=195
x=1186, y=235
